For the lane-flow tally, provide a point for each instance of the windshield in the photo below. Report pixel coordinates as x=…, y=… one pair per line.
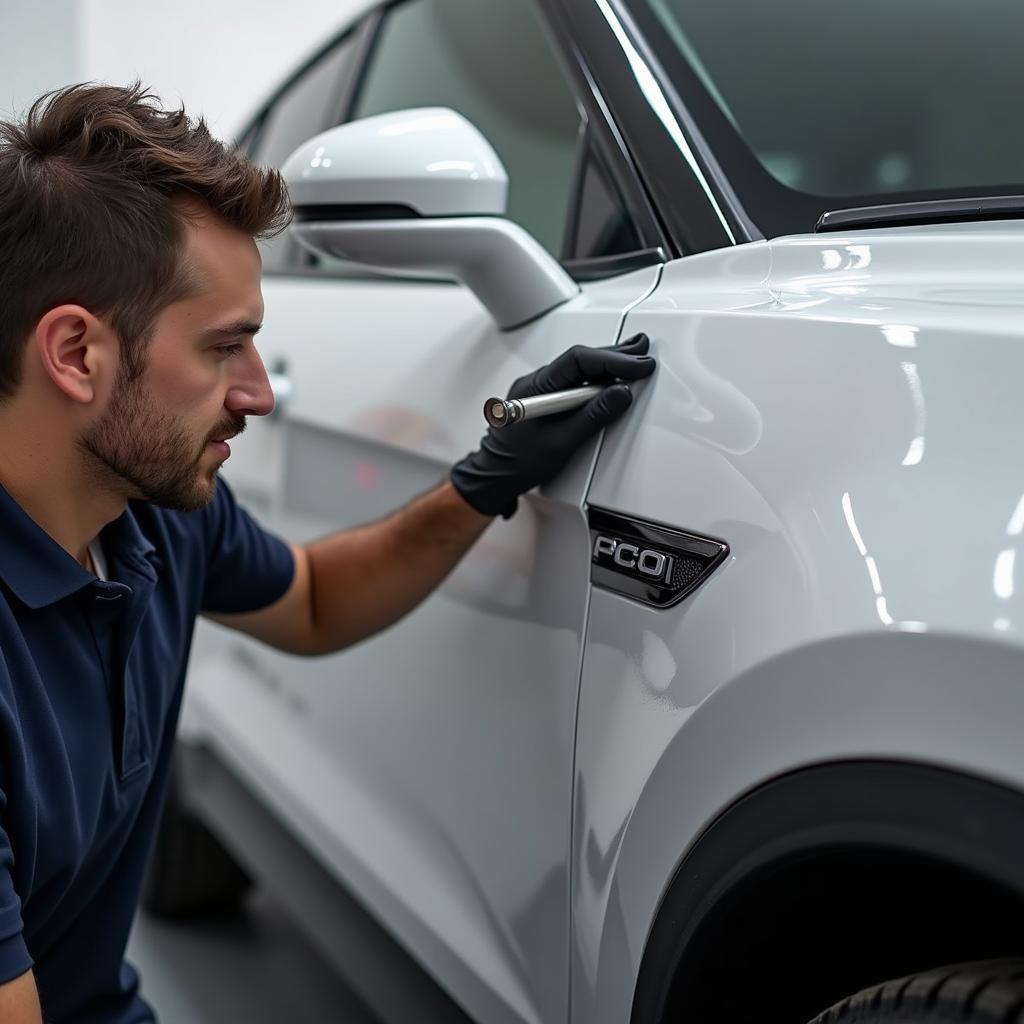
x=812, y=105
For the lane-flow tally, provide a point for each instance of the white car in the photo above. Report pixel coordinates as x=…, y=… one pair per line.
x=726, y=723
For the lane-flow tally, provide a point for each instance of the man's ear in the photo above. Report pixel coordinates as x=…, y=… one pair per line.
x=77, y=351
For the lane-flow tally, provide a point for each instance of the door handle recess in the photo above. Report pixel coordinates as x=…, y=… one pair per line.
x=280, y=385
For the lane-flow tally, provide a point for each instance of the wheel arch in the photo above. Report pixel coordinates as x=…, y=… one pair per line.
x=935, y=701
x=819, y=821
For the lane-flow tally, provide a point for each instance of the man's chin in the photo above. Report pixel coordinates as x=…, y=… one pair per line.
x=139, y=475
x=190, y=499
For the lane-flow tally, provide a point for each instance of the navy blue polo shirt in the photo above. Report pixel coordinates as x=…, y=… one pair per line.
x=91, y=678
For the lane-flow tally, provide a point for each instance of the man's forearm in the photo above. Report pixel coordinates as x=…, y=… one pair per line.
x=351, y=585
x=365, y=579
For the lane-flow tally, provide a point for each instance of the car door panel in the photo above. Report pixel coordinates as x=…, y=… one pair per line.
x=436, y=759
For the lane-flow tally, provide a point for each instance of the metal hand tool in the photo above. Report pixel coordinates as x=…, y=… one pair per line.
x=502, y=412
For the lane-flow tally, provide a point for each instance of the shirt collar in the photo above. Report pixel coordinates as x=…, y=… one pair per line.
x=40, y=572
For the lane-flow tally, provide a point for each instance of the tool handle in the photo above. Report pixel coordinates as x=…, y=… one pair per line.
x=502, y=412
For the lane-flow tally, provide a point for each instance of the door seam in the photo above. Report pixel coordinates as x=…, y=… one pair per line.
x=580, y=664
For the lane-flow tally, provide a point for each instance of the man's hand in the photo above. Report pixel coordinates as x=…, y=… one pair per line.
x=514, y=459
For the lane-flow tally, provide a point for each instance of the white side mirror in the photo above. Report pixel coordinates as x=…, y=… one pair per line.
x=422, y=192
x=430, y=161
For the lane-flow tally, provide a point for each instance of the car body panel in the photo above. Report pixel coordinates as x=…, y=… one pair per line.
x=510, y=777
x=843, y=411
x=429, y=767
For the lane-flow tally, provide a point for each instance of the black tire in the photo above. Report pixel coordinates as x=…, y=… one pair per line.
x=988, y=992
x=190, y=874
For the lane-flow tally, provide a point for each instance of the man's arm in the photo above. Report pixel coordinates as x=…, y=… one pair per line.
x=353, y=584
x=19, y=1001
x=357, y=582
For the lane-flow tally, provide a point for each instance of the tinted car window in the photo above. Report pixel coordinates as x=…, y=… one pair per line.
x=603, y=227
x=305, y=108
x=246, y=142
x=490, y=61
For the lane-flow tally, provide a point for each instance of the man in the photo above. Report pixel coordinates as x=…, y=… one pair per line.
x=129, y=300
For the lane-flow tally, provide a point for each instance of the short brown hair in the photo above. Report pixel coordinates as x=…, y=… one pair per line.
x=91, y=212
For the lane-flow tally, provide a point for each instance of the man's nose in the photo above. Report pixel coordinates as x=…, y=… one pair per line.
x=250, y=394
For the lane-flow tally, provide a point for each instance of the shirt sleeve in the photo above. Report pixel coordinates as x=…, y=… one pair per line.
x=247, y=567
x=15, y=959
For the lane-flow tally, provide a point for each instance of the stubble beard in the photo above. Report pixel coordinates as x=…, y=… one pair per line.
x=148, y=455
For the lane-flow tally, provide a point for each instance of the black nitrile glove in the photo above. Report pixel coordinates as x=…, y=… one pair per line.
x=516, y=458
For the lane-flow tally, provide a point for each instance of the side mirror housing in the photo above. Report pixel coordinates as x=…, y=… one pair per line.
x=422, y=192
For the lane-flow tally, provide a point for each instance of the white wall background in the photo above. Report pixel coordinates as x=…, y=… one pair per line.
x=218, y=57
x=38, y=49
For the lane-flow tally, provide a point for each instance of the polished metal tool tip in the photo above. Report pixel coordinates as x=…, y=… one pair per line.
x=503, y=412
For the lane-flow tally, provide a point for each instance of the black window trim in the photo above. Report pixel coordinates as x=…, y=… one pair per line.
x=357, y=30
x=248, y=136
x=572, y=217
x=369, y=33
x=603, y=133
x=680, y=200
x=378, y=15
x=597, y=268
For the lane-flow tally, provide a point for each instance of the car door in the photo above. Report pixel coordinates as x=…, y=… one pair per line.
x=430, y=768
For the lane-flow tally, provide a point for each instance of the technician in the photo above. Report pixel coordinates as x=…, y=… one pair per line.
x=129, y=298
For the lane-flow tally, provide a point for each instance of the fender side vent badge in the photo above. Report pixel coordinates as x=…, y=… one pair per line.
x=652, y=564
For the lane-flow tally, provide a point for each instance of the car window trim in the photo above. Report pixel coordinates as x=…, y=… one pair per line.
x=726, y=196
x=598, y=268
x=246, y=139
x=258, y=121
x=368, y=31
x=677, y=196
x=570, y=230
x=250, y=130
x=590, y=155
x=605, y=134
x=375, y=33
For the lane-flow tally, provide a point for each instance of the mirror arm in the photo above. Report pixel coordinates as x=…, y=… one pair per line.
x=508, y=270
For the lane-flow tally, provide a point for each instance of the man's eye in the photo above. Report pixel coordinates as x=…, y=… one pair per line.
x=230, y=350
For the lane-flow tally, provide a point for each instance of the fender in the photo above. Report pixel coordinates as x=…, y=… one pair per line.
x=864, y=698
x=954, y=818
x=859, y=466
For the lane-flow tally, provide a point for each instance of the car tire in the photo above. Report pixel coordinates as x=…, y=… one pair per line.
x=987, y=992
x=190, y=874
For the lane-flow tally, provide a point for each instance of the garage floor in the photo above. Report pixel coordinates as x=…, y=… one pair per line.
x=253, y=967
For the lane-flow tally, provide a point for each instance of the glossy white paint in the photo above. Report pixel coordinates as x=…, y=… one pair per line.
x=429, y=768
x=435, y=162
x=507, y=269
x=430, y=159
x=844, y=411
